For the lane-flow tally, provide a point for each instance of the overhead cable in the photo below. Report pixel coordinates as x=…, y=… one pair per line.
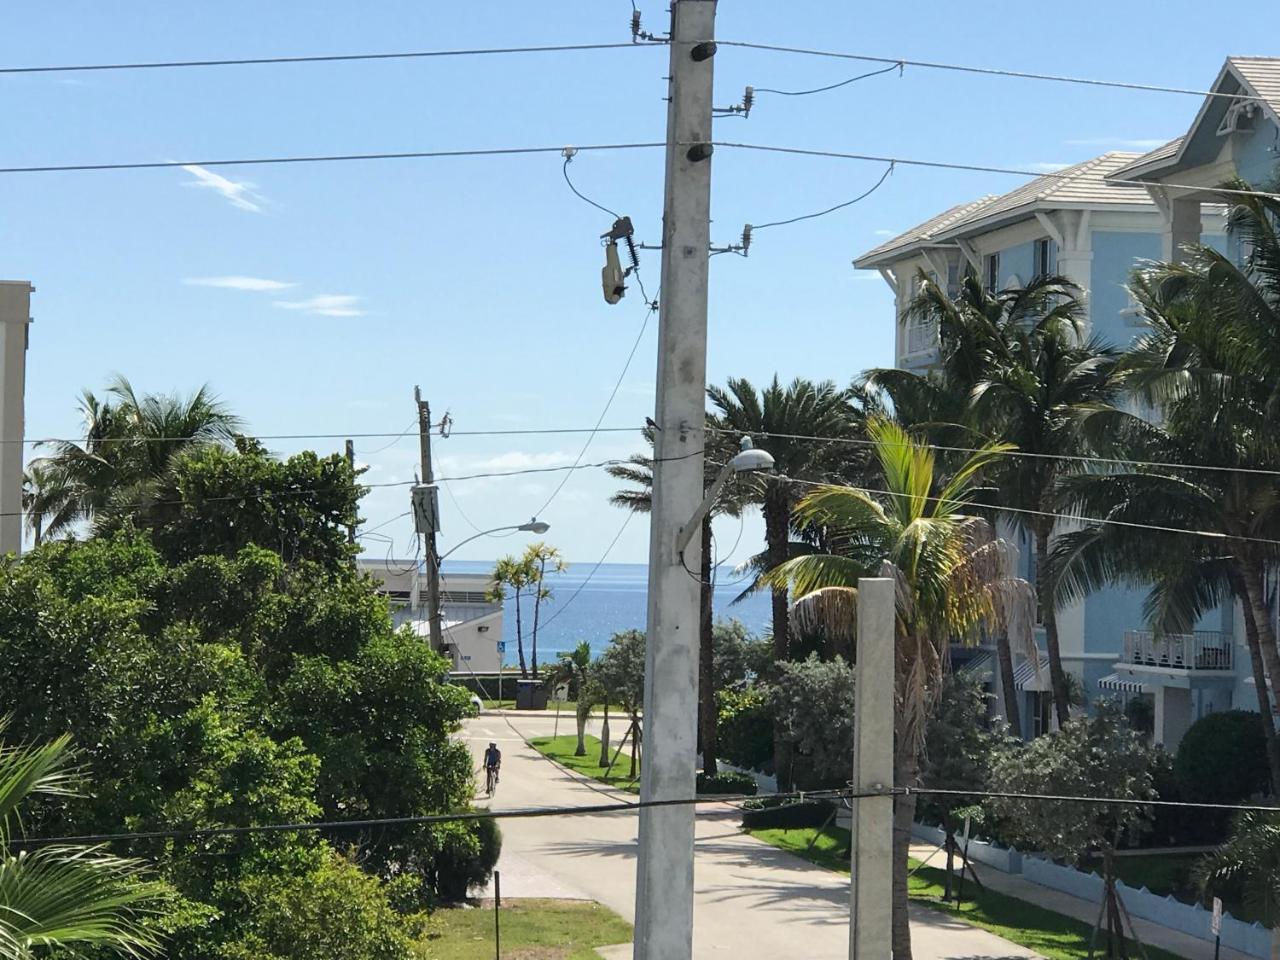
x=822, y=213
x=831, y=86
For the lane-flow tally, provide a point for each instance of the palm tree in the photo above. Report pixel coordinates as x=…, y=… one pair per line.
x=788, y=422
x=638, y=470
x=59, y=898
x=953, y=578
x=537, y=559
x=129, y=443
x=1015, y=359
x=1250, y=862
x=573, y=670
x=514, y=573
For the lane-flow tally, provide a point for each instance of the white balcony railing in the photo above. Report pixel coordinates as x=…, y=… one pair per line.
x=1201, y=650
x=921, y=337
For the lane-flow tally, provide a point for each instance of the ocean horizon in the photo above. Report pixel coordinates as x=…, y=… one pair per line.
x=593, y=608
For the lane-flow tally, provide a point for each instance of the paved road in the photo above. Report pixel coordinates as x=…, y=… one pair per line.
x=752, y=900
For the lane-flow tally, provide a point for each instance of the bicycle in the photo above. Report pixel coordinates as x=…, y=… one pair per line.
x=490, y=780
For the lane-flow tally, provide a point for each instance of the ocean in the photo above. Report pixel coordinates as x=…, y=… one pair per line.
x=595, y=609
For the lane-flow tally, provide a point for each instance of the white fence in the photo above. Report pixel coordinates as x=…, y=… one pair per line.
x=1252, y=939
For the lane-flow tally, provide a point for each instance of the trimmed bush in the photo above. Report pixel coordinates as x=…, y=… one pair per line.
x=1223, y=758
x=727, y=782
x=788, y=816
x=745, y=728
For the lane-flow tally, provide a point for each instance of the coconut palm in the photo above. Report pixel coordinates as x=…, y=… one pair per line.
x=1017, y=358
x=1250, y=862
x=513, y=573
x=63, y=898
x=539, y=559
x=130, y=440
x=786, y=421
x=638, y=470
x=953, y=583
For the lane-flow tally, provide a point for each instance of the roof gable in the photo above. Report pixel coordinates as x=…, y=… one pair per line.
x=921, y=234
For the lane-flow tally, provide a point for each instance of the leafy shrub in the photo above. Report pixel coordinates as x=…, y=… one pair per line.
x=1141, y=714
x=788, y=816
x=336, y=910
x=813, y=703
x=460, y=855
x=745, y=728
x=1223, y=758
x=1180, y=827
x=727, y=782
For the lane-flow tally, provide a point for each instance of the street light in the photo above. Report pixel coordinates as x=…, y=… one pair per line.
x=533, y=526
x=747, y=460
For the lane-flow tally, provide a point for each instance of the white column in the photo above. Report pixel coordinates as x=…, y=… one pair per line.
x=1182, y=227
x=15, y=316
x=871, y=863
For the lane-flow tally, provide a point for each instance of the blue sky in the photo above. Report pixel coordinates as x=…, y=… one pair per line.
x=479, y=279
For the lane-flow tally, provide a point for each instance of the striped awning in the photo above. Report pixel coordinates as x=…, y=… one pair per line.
x=1026, y=677
x=981, y=666
x=1113, y=681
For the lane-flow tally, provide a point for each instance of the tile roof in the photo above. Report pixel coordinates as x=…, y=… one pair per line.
x=924, y=232
x=1159, y=154
x=1263, y=74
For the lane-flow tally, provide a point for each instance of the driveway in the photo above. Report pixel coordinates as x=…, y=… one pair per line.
x=751, y=899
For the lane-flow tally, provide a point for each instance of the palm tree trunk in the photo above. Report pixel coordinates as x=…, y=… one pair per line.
x=537, y=607
x=604, y=735
x=524, y=670
x=1012, y=713
x=777, y=532
x=1260, y=637
x=582, y=712
x=906, y=773
x=1044, y=590
x=706, y=661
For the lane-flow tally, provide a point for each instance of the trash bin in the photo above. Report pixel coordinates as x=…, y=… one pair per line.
x=531, y=695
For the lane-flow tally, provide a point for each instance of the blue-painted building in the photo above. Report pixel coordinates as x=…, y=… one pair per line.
x=1085, y=224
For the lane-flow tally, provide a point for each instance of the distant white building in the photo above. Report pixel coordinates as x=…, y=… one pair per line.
x=471, y=622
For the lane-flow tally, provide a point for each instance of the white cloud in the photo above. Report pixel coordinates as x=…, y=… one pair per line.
x=238, y=193
x=1043, y=167
x=885, y=233
x=251, y=284
x=1127, y=144
x=325, y=305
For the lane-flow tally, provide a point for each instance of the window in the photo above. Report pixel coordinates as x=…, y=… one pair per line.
x=953, y=279
x=1042, y=258
x=992, y=271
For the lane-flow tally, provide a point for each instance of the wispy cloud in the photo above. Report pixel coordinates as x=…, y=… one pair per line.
x=885, y=233
x=325, y=305
x=239, y=193
x=1047, y=166
x=1122, y=142
x=251, y=284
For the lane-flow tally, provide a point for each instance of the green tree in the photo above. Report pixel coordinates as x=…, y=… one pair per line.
x=513, y=574
x=130, y=441
x=1249, y=862
x=786, y=421
x=638, y=470
x=573, y=670
x=620, y=673
x=539, y=559
x=1017, y=357
x=812, y=701
x=64, y=898
x=953, y=584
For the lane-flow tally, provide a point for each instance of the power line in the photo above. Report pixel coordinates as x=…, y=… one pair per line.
x=538, y=431
x=578, y=193
x=839, y=206
x=324, y=158
x=1070, y=518
x=897, y=65
x=898, y=62
x=1074, y=458
x=320, y=58
x=972, y=167
x=1075, y=798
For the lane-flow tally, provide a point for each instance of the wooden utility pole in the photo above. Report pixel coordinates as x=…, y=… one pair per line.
x=664, y=866
x=351, y=462
x=433, y=562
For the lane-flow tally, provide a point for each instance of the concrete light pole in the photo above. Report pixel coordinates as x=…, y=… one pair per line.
x=664, y=868
x=15, y=316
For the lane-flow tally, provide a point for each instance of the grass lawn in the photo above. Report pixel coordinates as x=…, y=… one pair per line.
x=567, y=709
x=560, y=749
x=1165, y=874
x=1050, y=934
x=531, y=930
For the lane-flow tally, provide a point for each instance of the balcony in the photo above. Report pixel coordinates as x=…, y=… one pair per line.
x=1204, y=650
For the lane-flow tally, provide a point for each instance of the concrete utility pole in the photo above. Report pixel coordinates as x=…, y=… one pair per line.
x=664, y=868
x=15, y=316
x=433, y=561
x=871, y=862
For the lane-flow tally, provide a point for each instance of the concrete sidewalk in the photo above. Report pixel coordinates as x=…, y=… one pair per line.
x=1151, y=934
x=751, y=899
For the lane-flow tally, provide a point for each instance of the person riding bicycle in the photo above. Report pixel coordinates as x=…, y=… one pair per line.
x=492, y=761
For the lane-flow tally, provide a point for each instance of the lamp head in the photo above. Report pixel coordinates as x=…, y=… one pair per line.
x=751, y=460
x=535, y=526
